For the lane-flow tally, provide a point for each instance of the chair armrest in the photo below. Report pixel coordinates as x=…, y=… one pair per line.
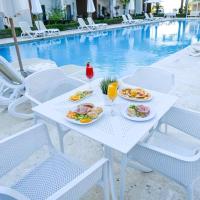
x=33, y=100
x=170, y=154
x=12, y=193
x=86, y=176
x=184, y=120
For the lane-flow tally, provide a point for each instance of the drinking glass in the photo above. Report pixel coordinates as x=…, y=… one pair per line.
x=89, y=73
x=112, y=94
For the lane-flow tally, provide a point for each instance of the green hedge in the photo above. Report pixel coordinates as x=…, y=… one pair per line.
x=7, y=33
x=63, y=27
x=116, y=20
x=158, y=15
x=180, y=15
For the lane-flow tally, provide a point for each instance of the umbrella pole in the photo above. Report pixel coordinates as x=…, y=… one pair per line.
x=16, y=46
x=30, y=8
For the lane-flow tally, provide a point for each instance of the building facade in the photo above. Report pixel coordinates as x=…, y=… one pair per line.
x=195, y=5
x=74, y=8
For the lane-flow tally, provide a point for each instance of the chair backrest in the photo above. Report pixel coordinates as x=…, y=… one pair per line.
x=47, y=84
x=21, y=146
x=25, y=27
x=90, y=21
x=124, y=18
x=146, y=16
x=129, y=17
x=10, y=72
x=82, y=22
x=152, y=79
x=40, y=25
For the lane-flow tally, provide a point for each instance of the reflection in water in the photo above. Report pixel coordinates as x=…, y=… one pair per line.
x=116, y=51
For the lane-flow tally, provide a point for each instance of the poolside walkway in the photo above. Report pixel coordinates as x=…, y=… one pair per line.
x=76, y=31
x=139, y=186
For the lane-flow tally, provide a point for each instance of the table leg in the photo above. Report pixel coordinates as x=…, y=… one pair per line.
x=109, y=156
x=123, y=175
x=61, y=134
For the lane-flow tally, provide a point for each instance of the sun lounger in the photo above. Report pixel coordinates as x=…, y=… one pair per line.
x=155, y=18
x=194, y=50
x=125, y=20
x=170, y=15
x=92, y=23
x=130, y=19
x=147, y=17
x=41, y=27
x=12, y=88
x=26, y=31
x=84, y=26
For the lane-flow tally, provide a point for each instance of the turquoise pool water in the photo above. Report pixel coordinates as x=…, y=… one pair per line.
x=117, y=51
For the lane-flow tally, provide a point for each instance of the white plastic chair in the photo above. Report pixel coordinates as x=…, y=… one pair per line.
x=40, y=26
x=52, y=176
x=151, y=78
x=83, y=25
x=171, y=156
x=47, y=84
x=26, y=31
x=92, y=23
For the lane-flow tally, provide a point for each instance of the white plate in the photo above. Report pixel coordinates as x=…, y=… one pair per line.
x=134, y=99
x=82, y=98
x=139, y=119
x=78, y=122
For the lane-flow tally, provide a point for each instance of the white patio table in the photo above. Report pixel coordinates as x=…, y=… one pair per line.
x=114, y=132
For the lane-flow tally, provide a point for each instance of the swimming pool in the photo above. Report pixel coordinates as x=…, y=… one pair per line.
x=117, y=51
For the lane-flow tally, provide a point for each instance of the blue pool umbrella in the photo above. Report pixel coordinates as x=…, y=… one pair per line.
x=12, y=9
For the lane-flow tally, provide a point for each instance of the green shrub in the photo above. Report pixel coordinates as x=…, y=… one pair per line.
x=56, y=14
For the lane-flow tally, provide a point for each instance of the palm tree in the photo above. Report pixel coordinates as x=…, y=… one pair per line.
x=124, y=3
